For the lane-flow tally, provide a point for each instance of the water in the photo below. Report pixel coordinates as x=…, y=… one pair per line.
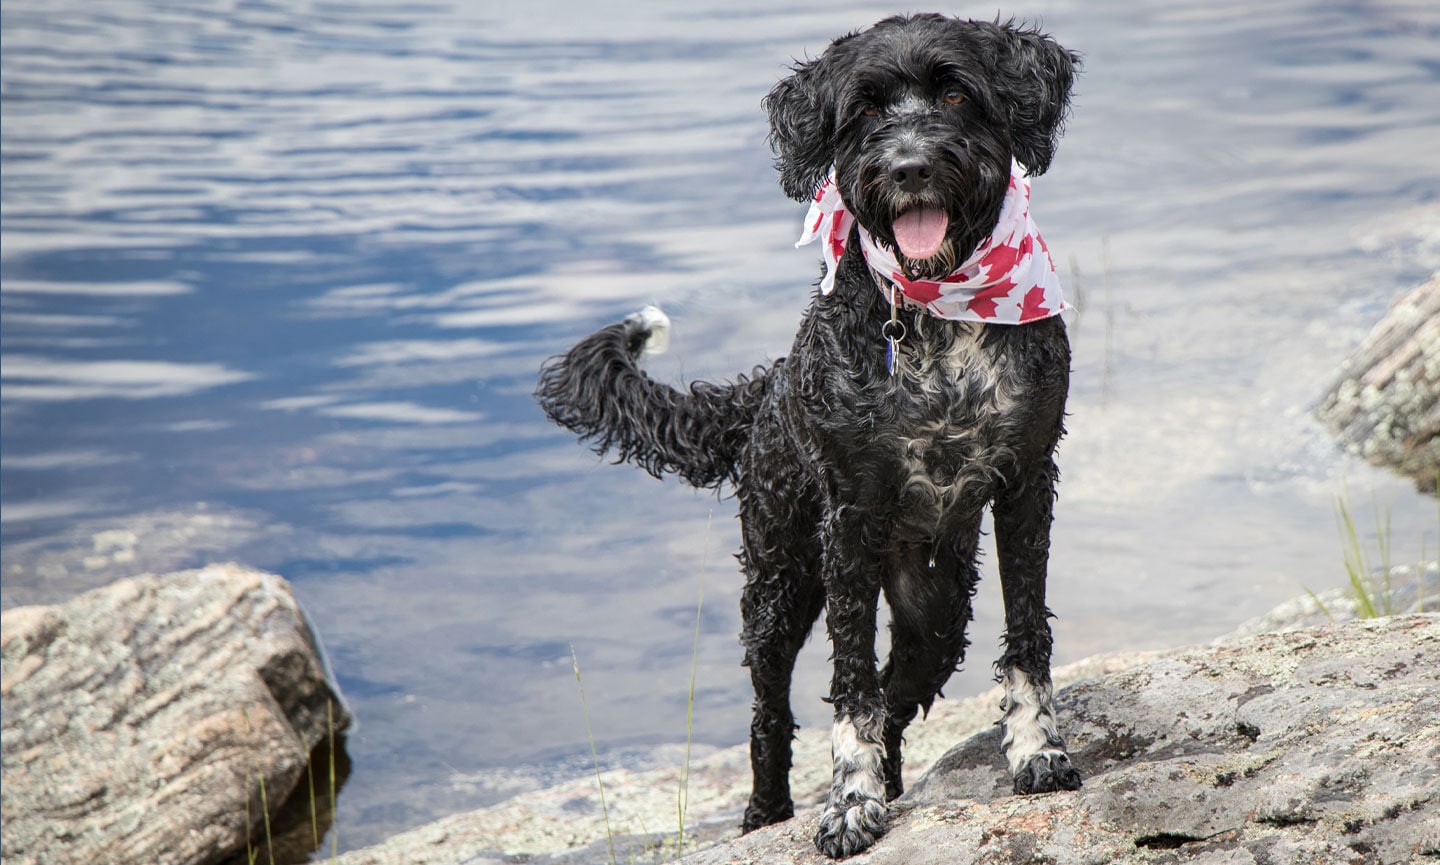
x=277, y=279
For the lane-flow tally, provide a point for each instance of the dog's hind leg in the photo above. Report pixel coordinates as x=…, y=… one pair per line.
x=781, y=601
x=1033, y=745
x=930, y=599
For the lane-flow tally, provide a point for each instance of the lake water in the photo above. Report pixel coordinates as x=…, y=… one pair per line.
x=277, y=279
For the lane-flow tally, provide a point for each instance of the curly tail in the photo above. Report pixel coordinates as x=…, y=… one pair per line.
x=598, y=391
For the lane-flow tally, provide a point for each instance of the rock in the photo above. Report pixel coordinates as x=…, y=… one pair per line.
x=1408, y=589
x=640, y=805
x=1316, y=745
x=1385, y=403
x=145, y=721
x=539, y=825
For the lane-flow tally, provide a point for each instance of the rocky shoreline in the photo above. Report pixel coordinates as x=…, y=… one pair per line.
x=1317, y=745
x=958, y=794
x=156, y=719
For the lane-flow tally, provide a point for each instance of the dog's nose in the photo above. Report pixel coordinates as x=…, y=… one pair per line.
x=911, y=174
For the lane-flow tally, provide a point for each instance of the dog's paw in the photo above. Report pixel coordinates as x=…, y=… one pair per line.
x=759, y=815
x=1047, y=772
x=849, y=826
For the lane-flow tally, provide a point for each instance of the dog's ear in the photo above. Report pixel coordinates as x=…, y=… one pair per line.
x=802, y=128
x=1033, y=74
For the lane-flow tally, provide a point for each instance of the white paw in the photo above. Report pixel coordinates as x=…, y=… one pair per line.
x=850, y=826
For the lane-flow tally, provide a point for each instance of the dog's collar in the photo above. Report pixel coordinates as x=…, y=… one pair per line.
x=1009, y=279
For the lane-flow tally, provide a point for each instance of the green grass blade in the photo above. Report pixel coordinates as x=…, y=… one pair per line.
x=1319, y=603
x=1354, y=561
x=314, y=814
x=264, y=801
x=334, y=814
x=594, y=755
x=265, y=810
x=682, y=796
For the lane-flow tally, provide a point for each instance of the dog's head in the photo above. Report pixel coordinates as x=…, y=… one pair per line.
x=920, y=116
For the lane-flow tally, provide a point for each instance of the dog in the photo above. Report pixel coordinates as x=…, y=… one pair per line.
x=927, y=382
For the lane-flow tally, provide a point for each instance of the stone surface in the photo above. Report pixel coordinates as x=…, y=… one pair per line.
x=1318, y=745
x=142, y=718
x=1385, y=403
x=1131, y=717
x=639, y=803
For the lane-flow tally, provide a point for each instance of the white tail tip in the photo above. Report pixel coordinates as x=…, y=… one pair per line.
x=657, y=325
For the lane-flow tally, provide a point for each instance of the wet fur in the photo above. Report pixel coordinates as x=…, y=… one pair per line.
x=852, y=482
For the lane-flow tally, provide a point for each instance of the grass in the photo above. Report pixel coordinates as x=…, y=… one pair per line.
x=1372, y=594
x=594, y=755
x=1373, y=597
x=334, y=815
x=682, y=793
x=250, y=852
x=289, y=818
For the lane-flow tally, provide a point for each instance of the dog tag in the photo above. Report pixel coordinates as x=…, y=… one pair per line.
x=893, y=332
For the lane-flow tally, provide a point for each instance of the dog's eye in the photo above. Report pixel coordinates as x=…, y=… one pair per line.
x=870, y=111
x=953, y=96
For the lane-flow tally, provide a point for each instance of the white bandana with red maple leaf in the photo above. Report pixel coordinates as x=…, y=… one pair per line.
x=1009, y=279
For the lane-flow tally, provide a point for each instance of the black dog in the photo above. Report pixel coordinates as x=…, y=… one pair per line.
x=863, y=461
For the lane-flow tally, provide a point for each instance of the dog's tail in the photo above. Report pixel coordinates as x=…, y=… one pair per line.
x=598, y=391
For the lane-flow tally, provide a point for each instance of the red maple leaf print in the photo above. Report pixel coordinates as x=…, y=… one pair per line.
x=1033, y=307
x=920, y=291
x=1001, y=260
x=983, y=303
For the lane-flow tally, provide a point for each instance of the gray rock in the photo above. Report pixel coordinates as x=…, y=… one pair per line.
x=566, y=824
x=1384, y=404
x=141, y=719
x=1316, y=745
x=1165, y=738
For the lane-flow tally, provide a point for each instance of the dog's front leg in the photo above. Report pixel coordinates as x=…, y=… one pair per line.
x=1033, y=745
x=855, y=812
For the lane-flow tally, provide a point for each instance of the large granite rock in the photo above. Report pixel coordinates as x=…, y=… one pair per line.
x=1319, y=745
x=1384, y=404
x=142, y=719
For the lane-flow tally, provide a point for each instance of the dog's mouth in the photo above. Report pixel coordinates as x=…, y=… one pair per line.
x=920, y=232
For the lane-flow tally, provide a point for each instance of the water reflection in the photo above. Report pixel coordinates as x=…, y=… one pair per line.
x=29, y=377
x=276, y=282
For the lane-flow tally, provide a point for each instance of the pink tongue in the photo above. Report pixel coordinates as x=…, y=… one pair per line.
x=921, y=231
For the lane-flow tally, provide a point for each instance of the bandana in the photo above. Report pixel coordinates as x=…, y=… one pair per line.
x=1009, y=279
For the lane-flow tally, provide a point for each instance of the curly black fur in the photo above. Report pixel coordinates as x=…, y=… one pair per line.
x=852, y=482
x=598, y=391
